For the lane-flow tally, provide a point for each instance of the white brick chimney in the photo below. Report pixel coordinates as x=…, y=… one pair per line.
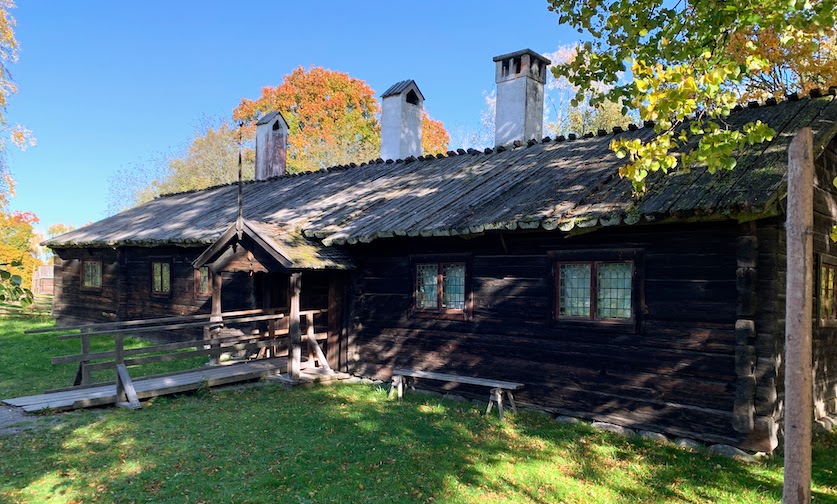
x=271, y=146
x=401, y=114
x=520, y=78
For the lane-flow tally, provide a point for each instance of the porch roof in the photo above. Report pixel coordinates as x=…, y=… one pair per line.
x=283, y=243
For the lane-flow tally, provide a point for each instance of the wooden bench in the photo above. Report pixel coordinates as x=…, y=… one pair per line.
x=499, y=388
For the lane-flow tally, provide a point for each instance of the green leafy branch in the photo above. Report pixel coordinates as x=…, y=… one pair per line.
x=11, y=287
x=683, y=75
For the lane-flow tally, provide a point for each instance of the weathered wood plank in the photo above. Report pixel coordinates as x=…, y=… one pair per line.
x=149, y=387
x=125, y=389
x=140, y=322
x=432, y=375
x=168, y=327
x=157, y=348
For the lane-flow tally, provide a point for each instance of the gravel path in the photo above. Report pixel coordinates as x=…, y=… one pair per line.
x=13, y=420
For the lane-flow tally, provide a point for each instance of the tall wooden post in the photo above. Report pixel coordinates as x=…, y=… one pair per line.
x=336, y=339
x=84, y=370
x=215, y=329
x=267, y=307
x=294, y=330
x=798, y=317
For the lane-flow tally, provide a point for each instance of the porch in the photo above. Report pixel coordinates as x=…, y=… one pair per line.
x=255, y=344
x=274, y=328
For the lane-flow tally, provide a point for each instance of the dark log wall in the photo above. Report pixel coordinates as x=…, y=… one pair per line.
x=126, y=285
x=126, y=290
x=825, y=338
x=72, y=303
x=141, y=303
x=677, y=374
x=768, y=338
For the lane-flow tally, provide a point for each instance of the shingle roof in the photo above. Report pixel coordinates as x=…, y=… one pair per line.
x=269, y=117
x=399, y=87
x=554, y=184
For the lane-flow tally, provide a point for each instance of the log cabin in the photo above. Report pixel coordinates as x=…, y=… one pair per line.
x=532, y=261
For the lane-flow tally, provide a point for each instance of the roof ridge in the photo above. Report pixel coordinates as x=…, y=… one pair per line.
x=814, y=93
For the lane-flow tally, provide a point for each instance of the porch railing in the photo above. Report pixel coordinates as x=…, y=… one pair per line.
x=272, y=342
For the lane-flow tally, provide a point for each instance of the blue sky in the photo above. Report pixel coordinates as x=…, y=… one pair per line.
x=105, y=85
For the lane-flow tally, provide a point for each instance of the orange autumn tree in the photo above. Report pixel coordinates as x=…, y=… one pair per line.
x=17, y=247
x=434, y=136
x=791, y=66
x=12, y=284
x=332, y=119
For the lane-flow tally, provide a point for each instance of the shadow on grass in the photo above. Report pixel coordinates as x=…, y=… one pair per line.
x=350, y=444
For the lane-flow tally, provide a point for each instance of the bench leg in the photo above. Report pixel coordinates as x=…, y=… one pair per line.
x=496, y=396
x=511, y=401
x=396, y=382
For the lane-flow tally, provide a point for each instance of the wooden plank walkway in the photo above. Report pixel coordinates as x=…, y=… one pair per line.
x=146, y=388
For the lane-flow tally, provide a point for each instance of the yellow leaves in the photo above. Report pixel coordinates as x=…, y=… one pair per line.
x=692, y=60
x=644, y=158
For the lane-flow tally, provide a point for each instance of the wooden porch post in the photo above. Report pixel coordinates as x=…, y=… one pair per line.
x=294, y=330
x=336, y=342
x=215, y=329
x=267, y=304
x=83, y=375
x=798, y=352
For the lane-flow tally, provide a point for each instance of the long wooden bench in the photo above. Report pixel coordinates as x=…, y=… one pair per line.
x=499, y=388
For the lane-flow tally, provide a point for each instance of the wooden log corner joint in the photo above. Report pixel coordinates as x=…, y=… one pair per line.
x=499, y=388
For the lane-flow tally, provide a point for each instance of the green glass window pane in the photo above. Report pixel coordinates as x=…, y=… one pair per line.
x=427, y=296
x=166, y=277
x=156, y=277
x=574, y=290
x=613, y=285
x=92, y=274
x=453, y=286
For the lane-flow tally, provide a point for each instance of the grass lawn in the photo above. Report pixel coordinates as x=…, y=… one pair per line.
x=348, y=443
